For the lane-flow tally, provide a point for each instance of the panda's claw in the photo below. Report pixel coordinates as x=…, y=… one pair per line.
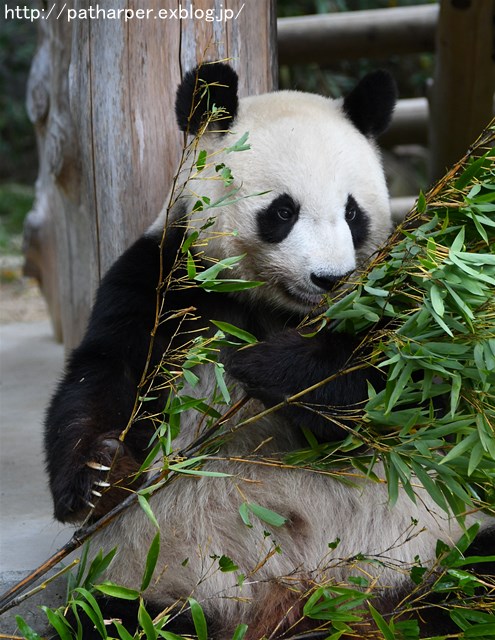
x=97, y=466
x=102, y=483
x=98, y=494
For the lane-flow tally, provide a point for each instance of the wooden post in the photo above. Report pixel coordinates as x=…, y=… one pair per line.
x=461, y=103
x=113, y=141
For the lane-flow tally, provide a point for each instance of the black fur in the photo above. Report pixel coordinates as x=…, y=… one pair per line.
x=202, y=87
x=289, y=363
x=371, y=103
x=276, y=221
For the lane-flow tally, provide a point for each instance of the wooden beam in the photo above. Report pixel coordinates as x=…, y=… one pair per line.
x=409, y=124
x=356, y=34
x=462, y=96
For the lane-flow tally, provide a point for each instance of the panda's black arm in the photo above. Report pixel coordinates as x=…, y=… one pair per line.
x=289, y=363
x=94, y=400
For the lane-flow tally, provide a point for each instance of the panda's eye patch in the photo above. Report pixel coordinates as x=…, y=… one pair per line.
x=358, y=222
x=276, y=221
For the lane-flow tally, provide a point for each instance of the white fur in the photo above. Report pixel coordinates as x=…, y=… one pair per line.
x=304, y=145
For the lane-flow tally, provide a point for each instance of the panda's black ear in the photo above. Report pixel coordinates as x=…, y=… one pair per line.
x=209, y=84
x=371, y=103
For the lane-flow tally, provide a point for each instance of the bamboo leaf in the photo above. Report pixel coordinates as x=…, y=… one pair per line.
x=199, y=619
x=266, y=515
x=387, y=633
x=116, y=591
x=146, y=622
x=151, y=560
x=243, y=335
x=145, y=506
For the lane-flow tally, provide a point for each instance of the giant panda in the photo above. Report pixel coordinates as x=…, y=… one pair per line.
x=308, y=206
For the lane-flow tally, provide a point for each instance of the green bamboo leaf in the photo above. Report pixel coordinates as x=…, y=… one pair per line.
x=243, y=335
x=244, y=513
x=480, y=631
x=123, y=633
x=399, y=386
x=240, y=145
x=98, y=566
x=229, y=286
x=200, y=472
x=387, y=633
x=201, y=160
x=421, y=204
x=392, y=482
x=220, y=378
x=226, y=564
x=95, y=616
x=191, y=378
x=199, y=619
x=191, y=266
x=146, y=622
x=240, y=632
x=437, y=300
x=470, y=172
x=429, y=485
x=25, y=629
x=116, y=591
x=475, y=457
x=98, y=620
x=168, y=635
x=486, y=435
x=266, y=515
x=212, y=272
x=145, y=506
x=59, y=623
x=151, y=560
x=455, y=393
x=460, y=448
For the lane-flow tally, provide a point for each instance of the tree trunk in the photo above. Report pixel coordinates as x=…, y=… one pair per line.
x=108, y=141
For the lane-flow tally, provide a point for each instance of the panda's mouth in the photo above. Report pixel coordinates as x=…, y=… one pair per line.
x=302, y=297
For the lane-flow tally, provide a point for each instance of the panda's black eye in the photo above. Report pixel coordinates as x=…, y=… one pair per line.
x=350, y=214
x=285, y=214
x=276, y=221
x=352, y=210
x=358, y=222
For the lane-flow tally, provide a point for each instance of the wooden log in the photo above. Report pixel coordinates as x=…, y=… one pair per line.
x=462, y=96
x=355, y=34
x=409, y=123
x=114, y=143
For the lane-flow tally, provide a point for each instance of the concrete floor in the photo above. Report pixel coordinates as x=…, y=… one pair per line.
x=30, y=365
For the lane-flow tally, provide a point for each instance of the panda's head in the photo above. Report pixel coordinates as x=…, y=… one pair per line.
x=309, y=201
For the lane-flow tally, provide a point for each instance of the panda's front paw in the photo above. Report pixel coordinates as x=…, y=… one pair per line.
x=266, y=369
x=99, y=484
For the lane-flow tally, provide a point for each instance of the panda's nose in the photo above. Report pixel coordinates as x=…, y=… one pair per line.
x=325, y=281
